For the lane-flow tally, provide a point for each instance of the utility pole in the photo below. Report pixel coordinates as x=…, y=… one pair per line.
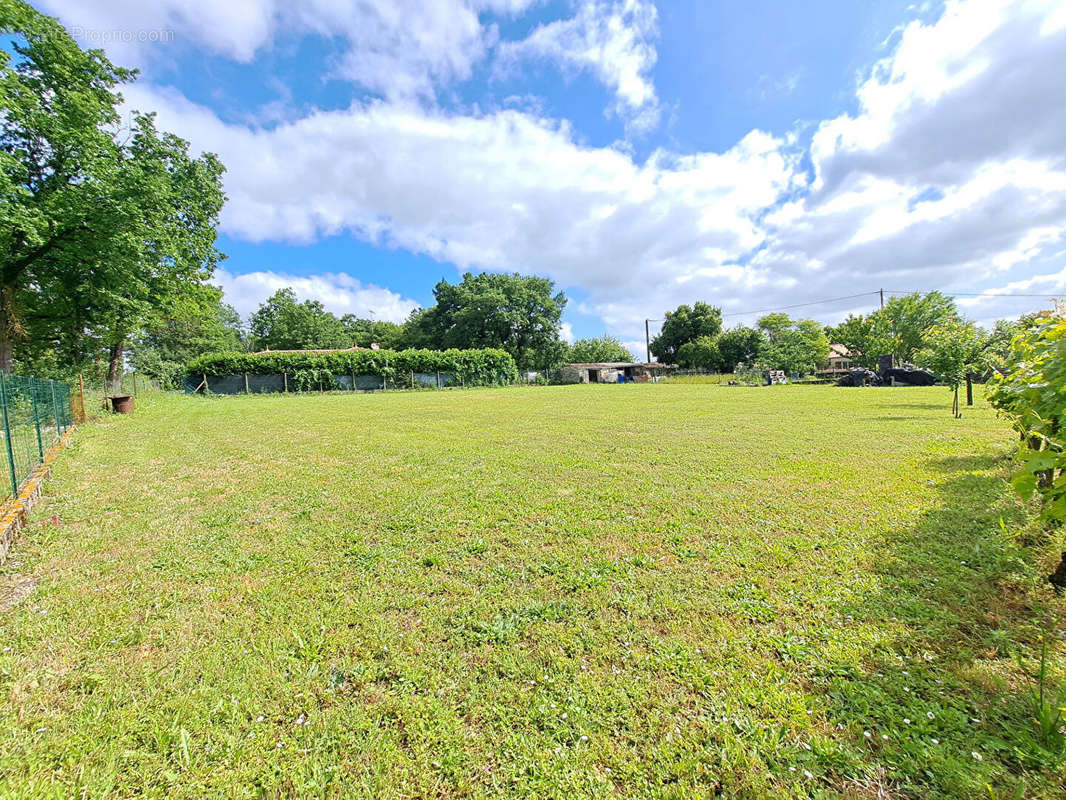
x=882, y=298
x=647, y=339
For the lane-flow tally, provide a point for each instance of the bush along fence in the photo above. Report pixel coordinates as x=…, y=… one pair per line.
x=36, y=417
x=348, y=370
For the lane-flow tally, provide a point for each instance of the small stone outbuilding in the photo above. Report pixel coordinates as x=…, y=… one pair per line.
x=618, y=371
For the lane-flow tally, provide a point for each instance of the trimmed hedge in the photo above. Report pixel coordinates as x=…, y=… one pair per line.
x=471, y=367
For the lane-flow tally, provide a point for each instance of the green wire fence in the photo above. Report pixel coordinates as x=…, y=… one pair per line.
x=35, y=413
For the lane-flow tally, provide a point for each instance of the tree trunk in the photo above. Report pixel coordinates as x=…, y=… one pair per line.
x=7, y=329
x=955, y=403
x=969, y=390
x=115, y=366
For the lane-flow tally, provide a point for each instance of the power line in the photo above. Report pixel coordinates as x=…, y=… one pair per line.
x=987, y=294
x=800, y=305
x=888, y=291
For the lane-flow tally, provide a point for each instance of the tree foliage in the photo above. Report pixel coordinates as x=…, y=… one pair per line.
x=685, y=324
x=365, y=332
x=1029, y=387
x=471, y=367
x=99, y=224
x=901, y=328
x=954, y=350
x=795, y=346
x=515, y=313
x=739, y=345
x=186, y=327
x=283, y=323
x=866, y=338
x=702, y=354
x=604, y=348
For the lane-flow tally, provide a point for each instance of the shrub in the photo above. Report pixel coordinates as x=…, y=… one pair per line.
x=566, y=375
x=1030, y=388
x=471, y=367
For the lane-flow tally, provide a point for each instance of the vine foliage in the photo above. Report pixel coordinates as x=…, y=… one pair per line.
x=1030, y=389
x=484, y=367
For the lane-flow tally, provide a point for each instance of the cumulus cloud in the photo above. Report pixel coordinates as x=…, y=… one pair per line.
x=500, y=191
x=339, y=293
x=951, y=173
x=398, y=48
x=613, y=39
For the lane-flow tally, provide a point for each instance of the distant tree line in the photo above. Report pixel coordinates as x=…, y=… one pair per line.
x=922, y=329
x=692, y=337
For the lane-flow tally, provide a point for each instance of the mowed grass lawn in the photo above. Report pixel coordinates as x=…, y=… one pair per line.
x=583, y=591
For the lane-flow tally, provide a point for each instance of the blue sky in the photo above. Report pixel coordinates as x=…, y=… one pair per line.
x=641, y=154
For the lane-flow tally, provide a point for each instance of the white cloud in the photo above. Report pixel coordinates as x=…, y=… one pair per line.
x=953, y=172
x=637, y=349
x=502, y=191
x=566, y=330
x=402, y=49
x=399, y=48
x=339, y=293
x=950, y=174
x=613, y=39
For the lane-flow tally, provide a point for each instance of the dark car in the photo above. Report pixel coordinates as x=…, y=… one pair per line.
x=910, y=377
x=860, y=377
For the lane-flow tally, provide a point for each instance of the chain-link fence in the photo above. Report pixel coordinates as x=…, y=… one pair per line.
x=35, y=414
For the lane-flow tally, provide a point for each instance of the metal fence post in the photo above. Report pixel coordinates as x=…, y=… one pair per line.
x=55, y=411
x=36, y=417
x=7, y=436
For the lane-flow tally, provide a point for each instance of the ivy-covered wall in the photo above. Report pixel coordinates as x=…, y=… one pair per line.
x=311, y=370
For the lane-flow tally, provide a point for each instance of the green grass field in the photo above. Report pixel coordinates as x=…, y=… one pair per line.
x=587, y=591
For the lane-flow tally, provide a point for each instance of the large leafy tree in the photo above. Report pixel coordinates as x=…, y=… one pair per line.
x=739, y=345
x=512, y=312
x=795, y=346
x=901, y=328
x=283, y=323
x=685, y=324
x=365, y=332
x=57, y=161
x=168, y=230
x=604, y=348
x=98, y=225
x=701, y=353
x=907, y=321
x=186, y=327
x=865, y=337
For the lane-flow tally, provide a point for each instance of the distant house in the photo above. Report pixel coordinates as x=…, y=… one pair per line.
x=617, y=371
x=839, y=359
